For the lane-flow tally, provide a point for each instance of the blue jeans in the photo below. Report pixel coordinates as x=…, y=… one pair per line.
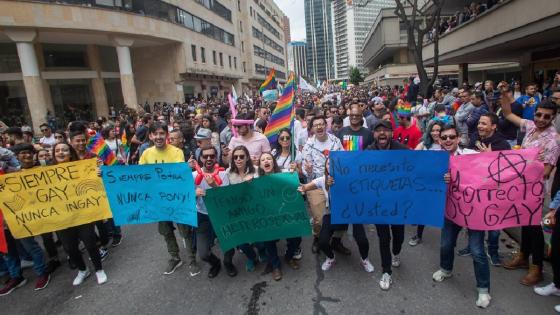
x=13, y=262
x=493, y=242
x=449, y=234
x=272, y=253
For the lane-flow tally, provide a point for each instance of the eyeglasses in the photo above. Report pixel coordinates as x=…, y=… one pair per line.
x=208, y=156
x=355, y=115
x=239, y=157
x=285, y=138
x=192, y=117
x=543, y=116
x=444, y=138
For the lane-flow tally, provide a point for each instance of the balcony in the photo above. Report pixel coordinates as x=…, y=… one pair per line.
x=505, y=33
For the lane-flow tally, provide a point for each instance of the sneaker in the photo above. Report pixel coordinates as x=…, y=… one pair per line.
x=441, y=275
x=249, y=265
x=214, y=270
x=293, y=263
x=415, y=240
x=557, y=308
x=82, y=275
x=42, y=282
x=25, y=264
x=172, y=265
x=495, y=259
x=298, y=254
x=194, y=269
x=329, y=262
x=277, y=274
x=103, y=252
x=396, y=261
x=464, y=252
x=368, y=267
x=117, y=240
x=101, y=276
x=12, y=284
x=483, y=300
x=385, y=282
x=550, y=289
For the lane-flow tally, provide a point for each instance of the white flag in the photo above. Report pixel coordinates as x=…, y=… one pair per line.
x=233, y=94
x=303, y=85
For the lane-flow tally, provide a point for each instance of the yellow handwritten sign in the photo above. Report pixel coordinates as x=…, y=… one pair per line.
x=53, y=198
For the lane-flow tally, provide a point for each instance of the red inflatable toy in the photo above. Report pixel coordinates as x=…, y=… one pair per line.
x=214, y=174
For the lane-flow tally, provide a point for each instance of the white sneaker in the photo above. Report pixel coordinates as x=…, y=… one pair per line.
x=101, y=276
x=396, y=261
x=82, y=275
x=24, y=264
x=441, y=275
x=385, y=282
x=557, y=308
x=328, y=264
x=483, y=300
x=368, y=267
x=550, y=289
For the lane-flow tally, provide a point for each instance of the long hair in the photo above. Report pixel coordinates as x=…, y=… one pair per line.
x=73, y=154
x=427, y=139
x=277, y=146
x=248, y=163
x=212, y=125
x=275, y=167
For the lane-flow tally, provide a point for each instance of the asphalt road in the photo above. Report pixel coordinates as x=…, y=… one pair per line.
x=137, y=286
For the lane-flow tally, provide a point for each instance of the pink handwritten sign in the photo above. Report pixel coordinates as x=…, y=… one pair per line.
x=496, y=190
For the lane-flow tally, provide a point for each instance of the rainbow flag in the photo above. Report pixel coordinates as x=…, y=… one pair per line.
x=270, y=81
x=96, y=145
x=352, y=143
x=124, y=143
x=284, y=113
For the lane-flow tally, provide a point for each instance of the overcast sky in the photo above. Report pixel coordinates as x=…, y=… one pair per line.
x=295, y=11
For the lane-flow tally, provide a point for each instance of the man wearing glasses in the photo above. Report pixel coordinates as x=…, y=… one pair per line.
x=48, y=140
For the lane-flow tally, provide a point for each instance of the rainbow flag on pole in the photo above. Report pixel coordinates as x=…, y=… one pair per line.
x=270, y=81
x=97, y=146
x=284, y=113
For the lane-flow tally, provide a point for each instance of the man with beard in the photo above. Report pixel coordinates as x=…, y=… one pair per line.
x=204, y=239
x=255, y=142
x=529, y=101
x=383, y=136
x=161, y=152
x=355, y=137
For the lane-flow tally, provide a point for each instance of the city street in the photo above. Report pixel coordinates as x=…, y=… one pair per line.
x=137, y=286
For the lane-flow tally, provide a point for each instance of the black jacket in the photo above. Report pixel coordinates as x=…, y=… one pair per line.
x=497, y=142
x=393, y=145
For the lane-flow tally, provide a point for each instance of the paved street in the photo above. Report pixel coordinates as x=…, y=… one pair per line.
x=137, y=286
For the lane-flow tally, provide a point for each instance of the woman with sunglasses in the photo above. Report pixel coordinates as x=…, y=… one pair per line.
x=72, y=236
x=430, y=141
x=282, y=153
x=241, y=169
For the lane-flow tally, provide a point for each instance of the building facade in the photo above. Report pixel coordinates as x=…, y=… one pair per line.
x=351, y=21
x=78, y=59
x=320, y=45
x=297, y=58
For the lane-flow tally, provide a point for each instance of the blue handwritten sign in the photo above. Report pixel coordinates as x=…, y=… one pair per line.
x=388, y=187
x=151, y=193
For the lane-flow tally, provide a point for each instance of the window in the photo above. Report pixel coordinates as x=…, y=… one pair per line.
x=242, y=46
x=216, y=7
x=239, y=5
x=214, y=57
x=241, y=26
x=193, y=52
x=235, y=62
x=221, y=59
x=201, y=26
x=65, y=56
x=202, y=54
x=229, y=57
x=244, y=68
x=251, y=11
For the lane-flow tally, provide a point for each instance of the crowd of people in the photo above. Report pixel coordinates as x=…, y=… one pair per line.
x=466, y=120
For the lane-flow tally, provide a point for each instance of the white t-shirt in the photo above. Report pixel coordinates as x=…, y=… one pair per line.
x=51, y=141
x=320, y=182
x=284, y=161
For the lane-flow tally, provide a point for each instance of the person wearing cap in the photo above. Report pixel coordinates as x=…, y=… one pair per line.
x=24, y=153
x=203, y=137
x=383, y=140
x=407, y=133
x=255, y=142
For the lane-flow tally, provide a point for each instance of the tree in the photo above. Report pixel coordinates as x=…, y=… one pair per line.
x=355, y=76
x=421, y=19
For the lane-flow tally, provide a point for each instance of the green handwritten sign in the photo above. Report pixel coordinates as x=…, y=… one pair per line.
x=264, y=209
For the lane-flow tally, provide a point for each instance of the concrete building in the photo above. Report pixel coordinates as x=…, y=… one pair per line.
x=320, y=45
x=524, y=32
x=76, y=58
x=389, y=60
x=351, y=21
x=287, y=32
x=297, y=58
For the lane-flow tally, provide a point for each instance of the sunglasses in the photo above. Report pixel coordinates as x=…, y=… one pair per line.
x=239, y=157
x=209, y=156
x=43, y=130
x=544, y=116
x=58, y=137
x=192, y=117
x=444, y=138
x=285, y=138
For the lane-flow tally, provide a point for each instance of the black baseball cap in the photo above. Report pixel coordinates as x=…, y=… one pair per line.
x=383, y=123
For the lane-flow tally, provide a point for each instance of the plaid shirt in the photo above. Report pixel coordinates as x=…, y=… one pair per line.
x=546, y=141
